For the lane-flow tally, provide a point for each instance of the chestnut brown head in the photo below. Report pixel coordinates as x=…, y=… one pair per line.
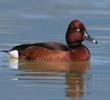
x=77, y=33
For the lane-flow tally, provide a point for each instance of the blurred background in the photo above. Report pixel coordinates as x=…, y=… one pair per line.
x=29, y=21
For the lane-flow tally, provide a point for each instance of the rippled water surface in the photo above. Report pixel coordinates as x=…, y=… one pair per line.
x=28, y=21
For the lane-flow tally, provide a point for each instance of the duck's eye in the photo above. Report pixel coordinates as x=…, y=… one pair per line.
x=78, y=30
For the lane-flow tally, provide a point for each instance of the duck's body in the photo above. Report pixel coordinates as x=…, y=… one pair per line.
x=55, y=51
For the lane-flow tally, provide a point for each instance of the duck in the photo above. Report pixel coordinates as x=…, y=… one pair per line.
x=72, y=51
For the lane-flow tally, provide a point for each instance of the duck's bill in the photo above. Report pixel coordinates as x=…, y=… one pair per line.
x=87, y=37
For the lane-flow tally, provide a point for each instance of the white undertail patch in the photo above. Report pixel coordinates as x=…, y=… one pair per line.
x=14, y=53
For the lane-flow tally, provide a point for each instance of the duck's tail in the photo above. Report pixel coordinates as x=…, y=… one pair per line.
x=12, y=53
x=7, y=51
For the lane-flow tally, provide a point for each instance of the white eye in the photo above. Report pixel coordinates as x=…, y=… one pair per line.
x=78, y=30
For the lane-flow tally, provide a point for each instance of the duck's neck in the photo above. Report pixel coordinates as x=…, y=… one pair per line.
x=73, y=45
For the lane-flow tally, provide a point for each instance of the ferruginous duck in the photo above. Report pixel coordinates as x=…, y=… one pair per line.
x=74, y=50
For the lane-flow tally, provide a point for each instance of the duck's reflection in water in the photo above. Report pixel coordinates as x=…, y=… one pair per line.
x=73, y=77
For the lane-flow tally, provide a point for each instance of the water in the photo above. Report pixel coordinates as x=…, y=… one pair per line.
x=28, y=21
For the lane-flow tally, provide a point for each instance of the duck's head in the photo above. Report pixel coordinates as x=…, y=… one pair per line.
x=77, y=33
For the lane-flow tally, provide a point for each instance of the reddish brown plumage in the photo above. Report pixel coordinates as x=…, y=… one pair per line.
x=55, y=51
x=80, y=53
x=44, y=54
